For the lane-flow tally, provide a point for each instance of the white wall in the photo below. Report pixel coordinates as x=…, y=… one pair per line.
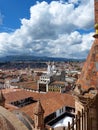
x=60, y=111
x=63, y=122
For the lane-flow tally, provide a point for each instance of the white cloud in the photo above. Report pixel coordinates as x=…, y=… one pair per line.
x=84, y=14
x=51, y=31
x=74, y=1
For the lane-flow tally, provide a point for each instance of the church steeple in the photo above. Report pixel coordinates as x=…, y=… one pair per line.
x=39, y=116
x=89, y=75
x=49, y=68
x=87, y=85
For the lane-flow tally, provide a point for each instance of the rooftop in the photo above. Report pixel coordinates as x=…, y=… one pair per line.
x=55, y=100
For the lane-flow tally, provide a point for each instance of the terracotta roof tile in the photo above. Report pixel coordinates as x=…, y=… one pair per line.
x=26, y=84
x=50, y=101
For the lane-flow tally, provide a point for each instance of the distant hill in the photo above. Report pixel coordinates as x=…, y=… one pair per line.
x=26, y=58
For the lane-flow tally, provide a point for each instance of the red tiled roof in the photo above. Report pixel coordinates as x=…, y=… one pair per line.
x=58, y=82
x=26, y=84
x=50, y=101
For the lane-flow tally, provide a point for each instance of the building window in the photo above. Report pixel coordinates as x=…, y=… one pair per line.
x=60, y=111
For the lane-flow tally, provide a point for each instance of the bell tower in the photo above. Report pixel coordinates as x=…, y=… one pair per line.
x=89, y=74
x=87, y=85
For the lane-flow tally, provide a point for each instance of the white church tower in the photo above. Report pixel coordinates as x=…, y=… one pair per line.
x=53, y=68
x=49, y=68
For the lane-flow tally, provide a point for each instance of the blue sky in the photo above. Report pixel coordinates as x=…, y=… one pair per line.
x=46, y=28
x=13, y=10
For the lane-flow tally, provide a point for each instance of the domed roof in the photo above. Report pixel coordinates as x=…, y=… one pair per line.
x=24, y=118
x=8, y=121
x=5, y=124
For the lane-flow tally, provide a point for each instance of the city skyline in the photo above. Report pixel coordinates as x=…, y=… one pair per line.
x=46, y=28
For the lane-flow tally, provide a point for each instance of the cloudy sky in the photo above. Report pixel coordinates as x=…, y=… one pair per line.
x=46, y=28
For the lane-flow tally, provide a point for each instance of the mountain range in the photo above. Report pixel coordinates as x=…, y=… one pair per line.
x=26, y=58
